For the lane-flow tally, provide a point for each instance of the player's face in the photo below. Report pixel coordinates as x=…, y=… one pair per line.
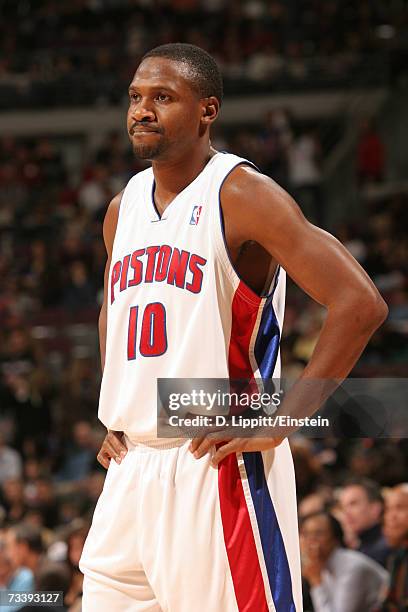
x=165, y=112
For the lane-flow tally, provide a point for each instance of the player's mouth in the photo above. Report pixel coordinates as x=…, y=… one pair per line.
x=143, y=130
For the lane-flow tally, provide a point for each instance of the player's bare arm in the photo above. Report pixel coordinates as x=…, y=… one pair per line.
x=113, y=445
x=318, y=263
x=314, y=259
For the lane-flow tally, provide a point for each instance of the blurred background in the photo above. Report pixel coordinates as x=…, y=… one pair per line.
x=316, y=93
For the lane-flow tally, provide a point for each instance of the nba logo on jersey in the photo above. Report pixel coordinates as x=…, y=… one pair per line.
x=195, y=215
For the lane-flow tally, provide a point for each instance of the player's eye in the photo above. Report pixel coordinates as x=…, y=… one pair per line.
x=162, y=97
x=134, y=97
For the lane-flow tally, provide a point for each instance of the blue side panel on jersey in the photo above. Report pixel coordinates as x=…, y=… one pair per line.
x=273, y=547
x=268, y=338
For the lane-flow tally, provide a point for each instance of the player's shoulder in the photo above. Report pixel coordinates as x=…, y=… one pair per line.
x=112, y=210
x=248, y=184
x=114, y=204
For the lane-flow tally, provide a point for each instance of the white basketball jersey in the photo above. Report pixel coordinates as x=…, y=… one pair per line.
x=176, y=307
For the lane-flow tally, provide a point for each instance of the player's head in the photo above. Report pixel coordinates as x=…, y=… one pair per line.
x=175, y=95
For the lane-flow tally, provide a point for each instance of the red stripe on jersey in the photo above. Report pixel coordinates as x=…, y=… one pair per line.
x=244, y=315
x=245, y=307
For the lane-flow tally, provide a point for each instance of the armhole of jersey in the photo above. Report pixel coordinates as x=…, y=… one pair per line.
x=222, y=252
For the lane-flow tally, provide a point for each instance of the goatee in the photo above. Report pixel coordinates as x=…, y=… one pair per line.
x=149, y=152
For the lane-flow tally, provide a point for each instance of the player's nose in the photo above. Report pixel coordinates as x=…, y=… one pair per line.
x=142, y=112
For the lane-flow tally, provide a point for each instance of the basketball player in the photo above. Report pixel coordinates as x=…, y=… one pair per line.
x=198, y=246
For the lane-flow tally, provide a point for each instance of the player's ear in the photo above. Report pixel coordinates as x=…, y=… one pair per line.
x=210, y=109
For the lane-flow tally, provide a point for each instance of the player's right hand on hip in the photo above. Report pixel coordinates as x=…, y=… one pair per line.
x=113, y=447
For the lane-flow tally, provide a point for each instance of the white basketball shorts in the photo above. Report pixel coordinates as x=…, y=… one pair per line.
x=172, y=534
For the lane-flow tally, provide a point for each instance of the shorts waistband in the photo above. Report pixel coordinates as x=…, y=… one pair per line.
x=154, y=443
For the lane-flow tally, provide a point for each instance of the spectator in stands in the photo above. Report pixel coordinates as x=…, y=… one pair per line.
x=95, y=192
x=53, y=577
x=305, y=177
x=79, y=392
x=396, y=533
x=312, y=503
x=24, y=549
x=370, y=154
x=79, y=292
x=43, y=501
x=10, y=462
x=18, y=356
x=13, y=500
x=25, y=546
x=80, y=455
x=340, y=580
x=6, y=571
x=40, y=273
x=276, y=138
x=361, y=505
x=28, y=402
x=308, y=470
x=50, y=161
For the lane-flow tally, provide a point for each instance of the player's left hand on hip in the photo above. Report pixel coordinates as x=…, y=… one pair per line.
x=200, y=446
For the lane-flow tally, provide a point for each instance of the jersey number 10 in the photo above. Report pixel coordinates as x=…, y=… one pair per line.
x=153, y=334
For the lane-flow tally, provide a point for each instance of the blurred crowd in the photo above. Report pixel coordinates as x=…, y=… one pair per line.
x=51, y=263
x=68, y=52
x=354, y=547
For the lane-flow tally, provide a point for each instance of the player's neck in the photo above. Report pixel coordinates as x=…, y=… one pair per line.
x=171, y=177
